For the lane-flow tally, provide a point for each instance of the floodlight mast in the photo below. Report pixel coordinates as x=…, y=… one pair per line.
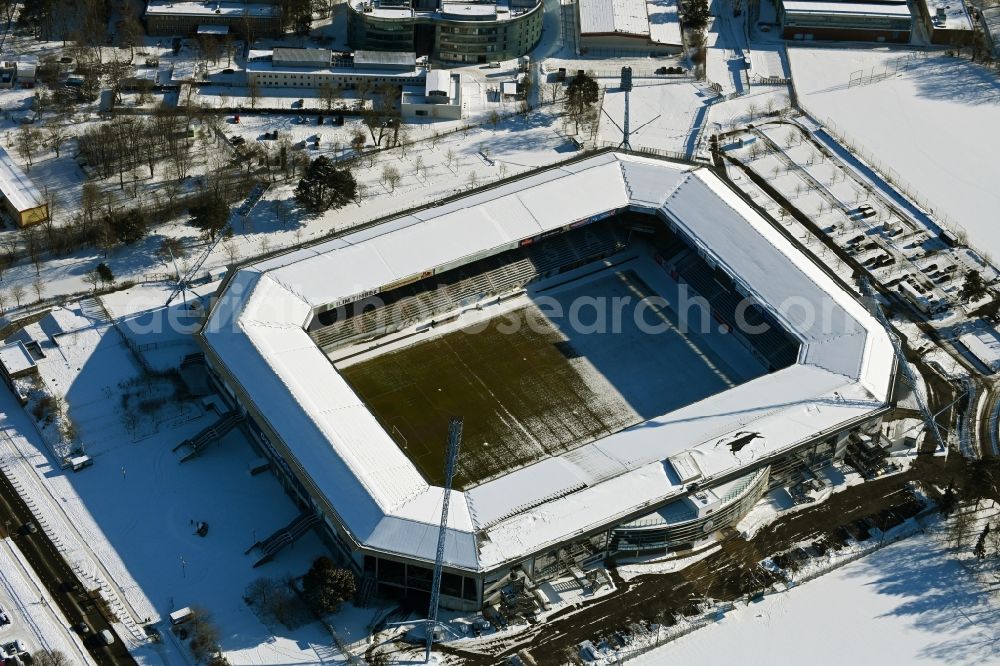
x=454, y=440
x=626, y=85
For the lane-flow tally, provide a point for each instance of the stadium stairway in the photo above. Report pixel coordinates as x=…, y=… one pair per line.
x=285, y=536
x=209, y=435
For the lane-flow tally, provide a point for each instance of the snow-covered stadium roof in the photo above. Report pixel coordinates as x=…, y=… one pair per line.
x=257, y=331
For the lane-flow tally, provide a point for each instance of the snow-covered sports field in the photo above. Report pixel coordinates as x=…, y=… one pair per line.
x=930, y=120
x=577, y=362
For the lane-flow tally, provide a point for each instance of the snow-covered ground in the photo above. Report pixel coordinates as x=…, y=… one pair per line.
x=666, y=117
x=126, y=523
x=910, y=603
x=930, y=135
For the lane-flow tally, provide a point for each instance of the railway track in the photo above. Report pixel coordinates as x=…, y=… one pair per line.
x=77, y=605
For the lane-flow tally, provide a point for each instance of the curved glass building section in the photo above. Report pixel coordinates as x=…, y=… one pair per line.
x=691, y=519
x=458, y=32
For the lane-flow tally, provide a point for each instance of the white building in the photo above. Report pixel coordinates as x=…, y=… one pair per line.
x=985, y=346
x=646, y=27
x=312, y=68
x=439, y=97
x=21, y=200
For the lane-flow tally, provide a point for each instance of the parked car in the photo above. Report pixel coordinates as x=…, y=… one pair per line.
x=29, y=528
x=4, y=618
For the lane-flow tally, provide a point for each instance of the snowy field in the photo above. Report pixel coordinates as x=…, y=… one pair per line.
x=909, y=603
x=932, y=128
x=666, y=116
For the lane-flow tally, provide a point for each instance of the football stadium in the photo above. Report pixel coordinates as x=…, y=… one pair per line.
x=638, y=354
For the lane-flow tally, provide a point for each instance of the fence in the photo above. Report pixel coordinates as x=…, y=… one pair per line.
x=888, y=70
x=659, y=152
x=890, y=175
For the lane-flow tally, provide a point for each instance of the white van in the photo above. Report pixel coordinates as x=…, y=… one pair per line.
x=106, y=637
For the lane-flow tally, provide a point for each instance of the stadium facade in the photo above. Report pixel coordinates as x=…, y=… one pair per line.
x=673, y=483
x=457, y=32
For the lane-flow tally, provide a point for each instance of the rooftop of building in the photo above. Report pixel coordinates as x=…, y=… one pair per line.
x=385, y=58
x=626, y=17
x=950, y=15
x=880, y=9
x=228, y=8
x=498, y=10
x=15, y=358
x=16, y=186
x=656, y=20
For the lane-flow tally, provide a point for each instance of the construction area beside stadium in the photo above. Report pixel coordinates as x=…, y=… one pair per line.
x=577, y=357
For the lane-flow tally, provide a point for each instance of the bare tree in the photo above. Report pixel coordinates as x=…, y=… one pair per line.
x=418, y=165
x=232, y=251
x=330, y=93
x=57, y=135
x=473, y=179
x=554, y=88
x=390, y=176
x=253, y=91
x=47, y=658
x=18, y=292
x=26, y=144
x=358, y=140
x=960, y=528
x=449, y=157
x=39, y=287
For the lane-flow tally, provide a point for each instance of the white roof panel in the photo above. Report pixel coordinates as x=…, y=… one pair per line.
x=15, y=185
x=602, y=17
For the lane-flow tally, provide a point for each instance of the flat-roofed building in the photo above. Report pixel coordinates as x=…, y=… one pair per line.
x=647, y=27
x=16, y=362
x=477, y=31
x=401, y=60
x=250, y=19
x=947, y=23
x=809, y=20
x=312, y=68
x=439, y=97
x=20, y=199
